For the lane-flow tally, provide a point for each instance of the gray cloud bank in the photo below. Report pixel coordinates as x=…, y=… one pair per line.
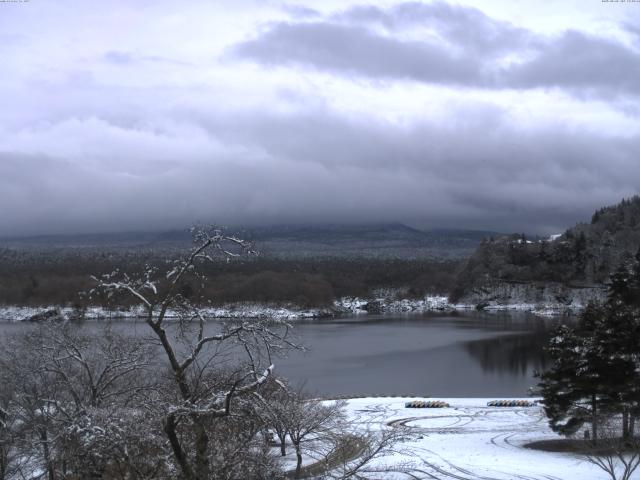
x=317, y=166
x=466, y=47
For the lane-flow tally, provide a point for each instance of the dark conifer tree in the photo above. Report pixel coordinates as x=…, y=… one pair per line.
x=618, y=294
x=634, y=282
x=570, y=389
x=596, y=369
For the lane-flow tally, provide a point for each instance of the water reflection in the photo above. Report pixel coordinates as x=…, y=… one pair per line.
x=516, y=354
x=463, y=354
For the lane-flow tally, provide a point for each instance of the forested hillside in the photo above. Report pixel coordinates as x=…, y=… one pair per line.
x=308, y=266
x=55, y=278
x=583, y=256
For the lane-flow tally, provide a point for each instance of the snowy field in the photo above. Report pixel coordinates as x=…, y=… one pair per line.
x=470, y=441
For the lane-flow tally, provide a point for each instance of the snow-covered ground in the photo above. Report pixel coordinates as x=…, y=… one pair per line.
x=243, y=310
x=470, y=441
x=19, y=313
x=346, y=305
x=387, y=305
x=441, y=304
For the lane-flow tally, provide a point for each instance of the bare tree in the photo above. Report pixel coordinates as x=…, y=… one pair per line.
x=341, y=447
x=58, y=378
x=34, y=393
x=16, y=454
x=617, y=455
x=311, y=425
x=275, y=406
x=239, y=445
x=192, y=351
x=96, y=369
x=359, y=455
x=8, y=436
x=6, y=443
x=118, y=443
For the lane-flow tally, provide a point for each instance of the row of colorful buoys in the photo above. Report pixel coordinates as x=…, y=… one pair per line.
x=510, y=403
x=426, y=404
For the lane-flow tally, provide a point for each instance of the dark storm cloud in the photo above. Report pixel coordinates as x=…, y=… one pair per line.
x=357, y=50
x=481, y=171
x=581, y=61
x=461, y=26
x=470, y=49
x=316, y=165
x=494, y=155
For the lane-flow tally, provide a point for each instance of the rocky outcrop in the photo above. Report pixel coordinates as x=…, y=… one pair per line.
x=553, y=297
x=564, y=271
x=51, y=315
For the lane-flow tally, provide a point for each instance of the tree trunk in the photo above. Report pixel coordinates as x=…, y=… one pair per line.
x=202, y=451
x=632, y=425
x=178, y=452
x=625, y=423
x=594, y=420
x=4, y=461
x=44, y=440
x=283, y=444
x=299, y=459
x=4, y=447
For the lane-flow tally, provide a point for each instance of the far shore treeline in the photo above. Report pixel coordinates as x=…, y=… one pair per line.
x=40, y=278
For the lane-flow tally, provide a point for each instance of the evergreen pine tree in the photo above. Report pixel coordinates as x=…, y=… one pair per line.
x=619, y=294
x=596, y=366
x=570, y=389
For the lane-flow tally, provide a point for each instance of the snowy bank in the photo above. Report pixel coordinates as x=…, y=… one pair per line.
x=385, y=304
x=541, y=298
x=356, y=305
x=469, y=440
x=343, y=306
x=18, y=313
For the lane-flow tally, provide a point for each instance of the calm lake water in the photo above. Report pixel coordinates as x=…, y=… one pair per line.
x=470, y=354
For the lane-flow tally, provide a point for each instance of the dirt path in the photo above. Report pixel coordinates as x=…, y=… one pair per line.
x=353, y=448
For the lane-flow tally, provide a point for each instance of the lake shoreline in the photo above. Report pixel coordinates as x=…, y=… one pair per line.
x=342, y=306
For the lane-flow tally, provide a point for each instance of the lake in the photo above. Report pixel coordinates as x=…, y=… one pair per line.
x=465, y=354
x=470, y=354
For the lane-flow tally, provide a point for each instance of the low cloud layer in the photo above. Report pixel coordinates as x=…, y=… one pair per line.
x=315, y=166
x=429, y=113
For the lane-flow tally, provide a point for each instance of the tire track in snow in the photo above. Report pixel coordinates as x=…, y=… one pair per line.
x=491, y=421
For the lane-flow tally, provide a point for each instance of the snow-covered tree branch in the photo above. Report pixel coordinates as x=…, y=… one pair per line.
x=196, y=350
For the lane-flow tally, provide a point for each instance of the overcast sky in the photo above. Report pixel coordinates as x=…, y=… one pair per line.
x=511, y=115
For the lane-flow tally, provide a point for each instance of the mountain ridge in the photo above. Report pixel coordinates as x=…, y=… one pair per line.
x=377, y=239
x=584, y=256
